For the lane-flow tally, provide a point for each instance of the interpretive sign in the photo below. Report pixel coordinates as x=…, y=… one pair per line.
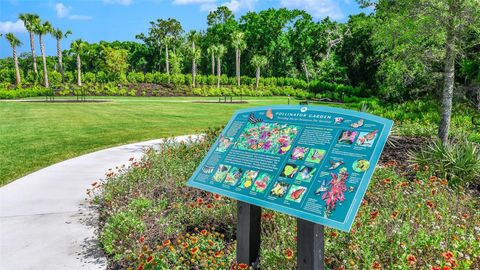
x=311, y=162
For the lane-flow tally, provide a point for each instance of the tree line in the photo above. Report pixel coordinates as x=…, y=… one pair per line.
x=403, y=49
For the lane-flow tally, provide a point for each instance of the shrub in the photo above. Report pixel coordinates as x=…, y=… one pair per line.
x=102, y=77
x=88, y=77
x=7, y=75
x=170, y=223
x=136, y=77
x=22, y=93
x=149, y=78
x=458, y=161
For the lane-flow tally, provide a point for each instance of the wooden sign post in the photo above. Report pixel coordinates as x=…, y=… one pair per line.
x=310, y=162
x=248, y=232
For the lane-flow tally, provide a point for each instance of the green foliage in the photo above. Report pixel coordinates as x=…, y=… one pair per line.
x=458, y=161
x=115, y=60
x=22, y=93
x=136, y=77
x=420, y=219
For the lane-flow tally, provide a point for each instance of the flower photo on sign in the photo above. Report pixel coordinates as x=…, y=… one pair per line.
x=315, y=155
x=221, y=173
x=270, y=138
x=248, y=178
x=233, y=176
x=224, y=143
x=279, y=189
x=261, y=183
x=305, y=174
x=299, y=153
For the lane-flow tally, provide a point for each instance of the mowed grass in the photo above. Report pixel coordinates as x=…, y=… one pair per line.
x=34, y=135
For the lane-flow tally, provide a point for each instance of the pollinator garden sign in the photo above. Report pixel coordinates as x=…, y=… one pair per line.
x=311, y=162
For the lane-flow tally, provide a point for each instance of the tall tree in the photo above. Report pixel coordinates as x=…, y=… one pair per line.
x=238, y=42
x=41, y=30
x=31, y=21
x=59, y=35
x=258, y=61
x=424, y=35
x=220, y=51
x=77, y=47
x=211, y=51
x=163, y=34
x=14, y=43
x=194, y=52
x=116, y=60
x=167, y=40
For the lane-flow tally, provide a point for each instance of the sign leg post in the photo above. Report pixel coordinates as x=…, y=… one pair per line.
x=248, y=232
x=310, y=245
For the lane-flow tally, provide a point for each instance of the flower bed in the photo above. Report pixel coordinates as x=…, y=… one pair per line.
x=151, y=220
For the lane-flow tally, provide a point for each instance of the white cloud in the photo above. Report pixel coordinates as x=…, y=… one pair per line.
x=209, y=5
x=120, y=2
x=237, y=5
x=64, y=12
x=318, y=8
x=14, y=27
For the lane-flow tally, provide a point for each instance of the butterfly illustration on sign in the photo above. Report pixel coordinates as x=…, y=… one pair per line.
x=296, y=193
x=357, y=124
x=269, y=114
x=253, y=120
x=367, y=138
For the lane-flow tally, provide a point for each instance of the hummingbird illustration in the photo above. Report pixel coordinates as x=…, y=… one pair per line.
x=334, y=165
x=320, y=189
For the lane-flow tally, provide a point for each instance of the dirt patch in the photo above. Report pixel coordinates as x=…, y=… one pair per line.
x=396, y=152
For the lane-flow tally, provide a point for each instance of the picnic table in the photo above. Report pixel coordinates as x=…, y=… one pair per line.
x=77, y=91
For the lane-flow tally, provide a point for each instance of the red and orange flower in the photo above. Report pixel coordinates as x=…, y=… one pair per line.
x=242, y=266
x=289, y=254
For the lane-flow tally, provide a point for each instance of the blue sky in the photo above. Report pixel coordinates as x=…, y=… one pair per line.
x=95, y=20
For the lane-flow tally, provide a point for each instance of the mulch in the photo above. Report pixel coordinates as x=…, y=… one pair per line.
x=396, y=152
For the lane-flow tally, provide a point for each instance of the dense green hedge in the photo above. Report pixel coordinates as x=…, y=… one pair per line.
x=8, y=77
x=160, y=84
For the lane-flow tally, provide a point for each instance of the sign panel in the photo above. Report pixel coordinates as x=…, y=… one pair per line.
x=311, y=162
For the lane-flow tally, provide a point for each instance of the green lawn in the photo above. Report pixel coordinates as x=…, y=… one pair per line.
x=35, y=135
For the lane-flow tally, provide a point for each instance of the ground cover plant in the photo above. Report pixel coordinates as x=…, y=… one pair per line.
x=410, y=218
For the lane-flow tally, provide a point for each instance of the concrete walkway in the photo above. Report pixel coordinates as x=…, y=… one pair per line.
x=45, y=220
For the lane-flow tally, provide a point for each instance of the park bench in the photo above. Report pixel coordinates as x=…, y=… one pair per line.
x=77, y=91
x=224, y=99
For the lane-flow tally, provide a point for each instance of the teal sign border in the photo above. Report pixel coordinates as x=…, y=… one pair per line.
x=361, y=189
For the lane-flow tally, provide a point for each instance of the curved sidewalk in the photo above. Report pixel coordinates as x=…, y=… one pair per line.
x=45, y=219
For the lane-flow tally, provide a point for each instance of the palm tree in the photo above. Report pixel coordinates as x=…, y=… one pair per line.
x=211, y=50
x=31, y=21
x=195, y=53
x=14, y=42
x=219, y=51
x=239, y=44
x=258, y=61
x=58, y=35
x=41, y=30
x=166, y=41
x=77, y=48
